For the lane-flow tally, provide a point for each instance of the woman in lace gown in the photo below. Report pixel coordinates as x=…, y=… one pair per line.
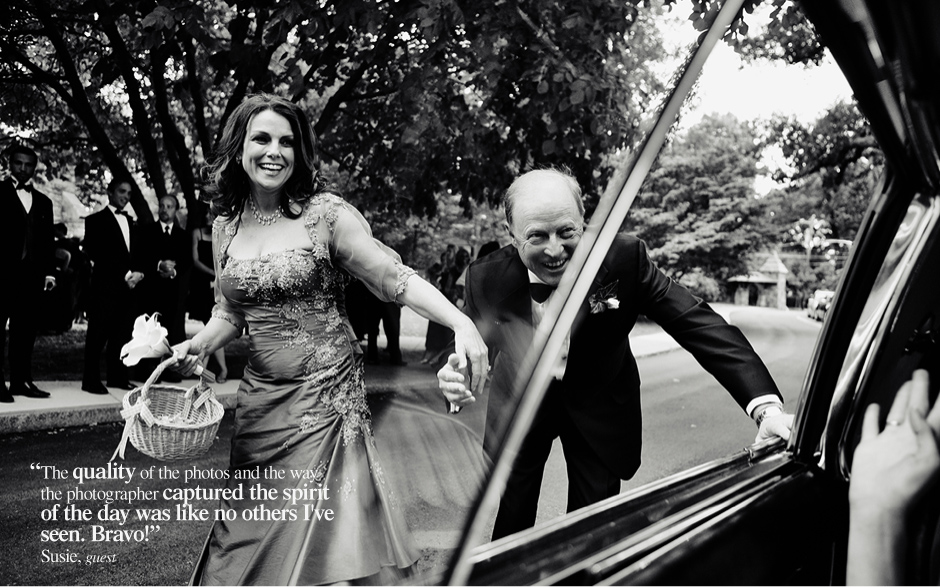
x=284, y=251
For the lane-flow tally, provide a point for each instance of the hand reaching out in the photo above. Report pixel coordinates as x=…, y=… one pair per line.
x=890, y=471
x=892, y=467
x=453, y=384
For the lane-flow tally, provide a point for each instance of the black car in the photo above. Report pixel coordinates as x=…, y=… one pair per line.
x=709, y=525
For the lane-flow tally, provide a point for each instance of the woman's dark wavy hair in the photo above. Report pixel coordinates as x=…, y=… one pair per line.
x=227, y=184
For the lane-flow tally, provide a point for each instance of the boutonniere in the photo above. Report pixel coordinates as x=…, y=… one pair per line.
x=604, y=298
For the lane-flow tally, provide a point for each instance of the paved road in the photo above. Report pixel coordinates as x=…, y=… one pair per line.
x=689, y=419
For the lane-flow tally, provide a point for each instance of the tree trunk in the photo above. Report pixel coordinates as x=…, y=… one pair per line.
x=142, y=123
x=78, y=100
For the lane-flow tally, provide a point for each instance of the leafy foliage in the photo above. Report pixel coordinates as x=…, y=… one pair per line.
x=698, y=211
x=835, y=163
x=787, y=36
x=412, y=99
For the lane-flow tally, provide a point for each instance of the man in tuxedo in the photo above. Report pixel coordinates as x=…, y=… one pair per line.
x=28, y=263
x=110, y=238
x=166, y=258
x=593, y=404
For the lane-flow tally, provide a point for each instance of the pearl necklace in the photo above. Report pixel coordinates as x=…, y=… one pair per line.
x=264, y=220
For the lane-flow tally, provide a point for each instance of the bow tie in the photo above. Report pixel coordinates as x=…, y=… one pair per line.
x=540, y=292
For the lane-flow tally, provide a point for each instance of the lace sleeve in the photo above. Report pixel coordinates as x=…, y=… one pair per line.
x=353, y=249
x=222, y=234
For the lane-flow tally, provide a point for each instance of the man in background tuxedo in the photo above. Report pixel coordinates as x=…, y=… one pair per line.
x=27, y=267
x=165, y=257
x=110, y=238
x=593, y=404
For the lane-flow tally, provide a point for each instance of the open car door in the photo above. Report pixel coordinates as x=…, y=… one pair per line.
x=777, y=512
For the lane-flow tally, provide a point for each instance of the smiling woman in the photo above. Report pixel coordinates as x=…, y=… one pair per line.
x=282, y=271
x=268, y=155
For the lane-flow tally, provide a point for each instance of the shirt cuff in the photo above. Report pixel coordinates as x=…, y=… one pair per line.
x=765, y=399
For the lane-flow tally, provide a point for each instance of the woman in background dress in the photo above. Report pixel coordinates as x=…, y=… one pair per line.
x=285, y=248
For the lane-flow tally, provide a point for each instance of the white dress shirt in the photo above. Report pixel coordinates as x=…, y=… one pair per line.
x=124, y=223
x=25, y=194
x=538, y=311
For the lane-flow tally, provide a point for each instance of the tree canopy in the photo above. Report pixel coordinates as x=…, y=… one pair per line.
x=426, y=110
x=412, y=99
x=698, y=209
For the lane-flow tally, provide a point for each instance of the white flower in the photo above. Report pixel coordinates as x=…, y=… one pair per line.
x=147, y=340
x=604, y=298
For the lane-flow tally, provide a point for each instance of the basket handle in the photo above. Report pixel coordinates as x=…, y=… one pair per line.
x=141, y=409
x=204, y=375
x=155, y=375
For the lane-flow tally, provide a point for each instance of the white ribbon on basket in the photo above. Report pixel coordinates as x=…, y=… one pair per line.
x=141, y=409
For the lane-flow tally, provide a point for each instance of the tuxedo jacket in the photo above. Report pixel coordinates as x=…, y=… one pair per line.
x=105, y=246
x=155, y=246
x=165, y=295
x=32, y=232
x=600, y=390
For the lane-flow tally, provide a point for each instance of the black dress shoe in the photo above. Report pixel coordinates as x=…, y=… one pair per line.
x=5, y=395
x=94, y=388
x=122, y=386
x=27, y=389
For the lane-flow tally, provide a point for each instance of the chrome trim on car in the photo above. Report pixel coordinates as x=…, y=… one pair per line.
x=874, y=326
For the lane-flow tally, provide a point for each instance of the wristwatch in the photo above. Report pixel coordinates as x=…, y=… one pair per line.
x=767, y=410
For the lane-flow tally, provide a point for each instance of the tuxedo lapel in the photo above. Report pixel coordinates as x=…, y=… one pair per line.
x=584, y=309
x=513, y=295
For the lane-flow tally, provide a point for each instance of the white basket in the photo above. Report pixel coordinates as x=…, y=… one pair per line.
x=168, y=422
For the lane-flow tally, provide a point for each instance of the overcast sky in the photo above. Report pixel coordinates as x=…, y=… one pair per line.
x=755, y=90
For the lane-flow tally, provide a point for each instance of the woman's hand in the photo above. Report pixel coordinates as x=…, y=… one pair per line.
x=890, y=471
x=891, y=468
x=190, y=358
x=469, y=347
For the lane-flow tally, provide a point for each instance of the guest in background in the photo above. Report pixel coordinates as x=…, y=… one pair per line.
x=389, y=315
x=459, y=272
x=110, y=237
x=27, y=266
x=58, y=304
x=201, y=297
x=438, y=337
x=166, y=259
x=434, y=339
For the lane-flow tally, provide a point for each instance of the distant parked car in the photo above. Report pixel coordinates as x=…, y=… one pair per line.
x=818, y=304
